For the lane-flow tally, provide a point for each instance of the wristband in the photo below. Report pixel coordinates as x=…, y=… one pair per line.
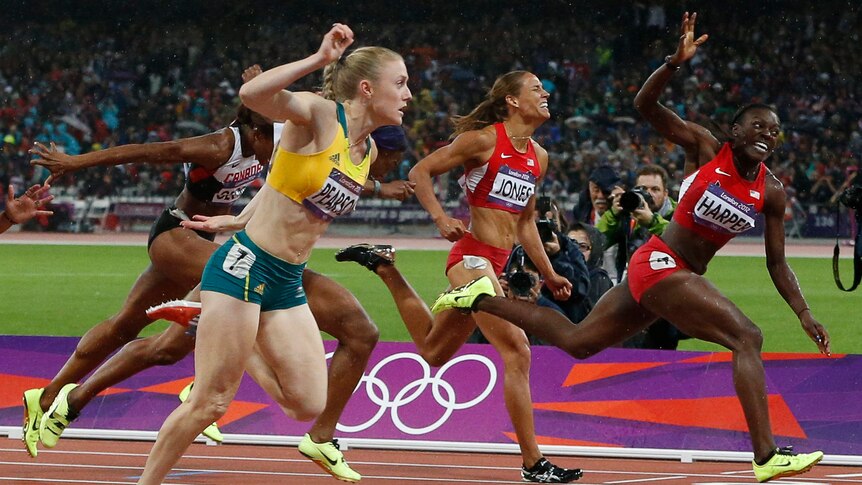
x=376, y=189
x=9, y=218
x=800, y=311
x=670, y=65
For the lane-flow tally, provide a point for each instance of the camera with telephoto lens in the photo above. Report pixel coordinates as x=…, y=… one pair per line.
x=852, y=197
x=546, y=226
x=630, y=200
x=520, y=280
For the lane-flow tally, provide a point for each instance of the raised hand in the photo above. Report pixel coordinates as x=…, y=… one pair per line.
x=52, y=159
x=251, y=72
x=687, y=43
x=28, y=205
x=335, y=42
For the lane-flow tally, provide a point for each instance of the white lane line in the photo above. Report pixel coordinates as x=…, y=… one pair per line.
x=186, y=472
x=57, y=480
x=652, y=479
x=260, y=459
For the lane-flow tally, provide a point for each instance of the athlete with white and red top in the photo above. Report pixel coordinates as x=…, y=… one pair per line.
x=502, y=166
x=718, y=201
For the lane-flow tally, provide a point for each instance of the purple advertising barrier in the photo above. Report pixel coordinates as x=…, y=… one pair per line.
x=822, y=224
x=619, y=398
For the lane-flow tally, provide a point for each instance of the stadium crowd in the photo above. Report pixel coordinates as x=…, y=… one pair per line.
x=99, y=82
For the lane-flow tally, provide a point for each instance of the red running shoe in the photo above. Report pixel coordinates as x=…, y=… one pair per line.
x=182, y=312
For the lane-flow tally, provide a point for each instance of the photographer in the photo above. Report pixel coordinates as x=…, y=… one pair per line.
x=642, y=211
x=588, y=237
x=634, y=216
x=520, y=279
x=594, y=201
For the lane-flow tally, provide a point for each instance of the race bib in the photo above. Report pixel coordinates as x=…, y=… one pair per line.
x=721, y=211
x=228, y=195
x=234, y=178
x=659, y=261
x=512, y=188
x=337, y=197
x=238, y=261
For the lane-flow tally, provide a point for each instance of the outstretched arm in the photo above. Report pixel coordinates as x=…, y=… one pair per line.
x=782, y=275
x=681, y=132
x=209, y=150
x=225, y=222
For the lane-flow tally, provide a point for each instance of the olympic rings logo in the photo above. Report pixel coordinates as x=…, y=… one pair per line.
x=443, y=392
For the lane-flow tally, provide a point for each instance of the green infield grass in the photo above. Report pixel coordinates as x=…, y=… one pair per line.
x=65, y=290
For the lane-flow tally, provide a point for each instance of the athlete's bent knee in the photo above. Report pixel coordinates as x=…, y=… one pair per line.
x=306, y=410
x=516, y=358
x=582, y=352
x=359, y=333
x=750, y=338
x=211, y=408
x=435, y=358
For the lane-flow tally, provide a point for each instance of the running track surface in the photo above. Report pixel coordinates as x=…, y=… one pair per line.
x=120, y=462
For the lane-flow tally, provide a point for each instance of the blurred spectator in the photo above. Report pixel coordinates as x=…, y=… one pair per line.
x=588, y=237
x=174, y=72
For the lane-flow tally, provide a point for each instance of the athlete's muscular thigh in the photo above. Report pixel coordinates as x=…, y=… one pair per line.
x=695, y=306
x=616, y=317
x=460, y=274
x=332, y=305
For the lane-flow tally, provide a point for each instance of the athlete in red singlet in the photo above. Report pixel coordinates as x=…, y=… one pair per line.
x=506, y=182
x=665, y=280
x=502, y=165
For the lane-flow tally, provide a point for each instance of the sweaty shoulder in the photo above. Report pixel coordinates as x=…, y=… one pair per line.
x=774, y=187
x=211, y=150
x=706, y=147
x=541, y=154
x=476, y=145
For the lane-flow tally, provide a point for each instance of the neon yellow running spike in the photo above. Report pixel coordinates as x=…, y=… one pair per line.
x=212, y=432
x=328, y=456
x=57, y=417
x=32, y=418
x=785, y=463
x=463, y=297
